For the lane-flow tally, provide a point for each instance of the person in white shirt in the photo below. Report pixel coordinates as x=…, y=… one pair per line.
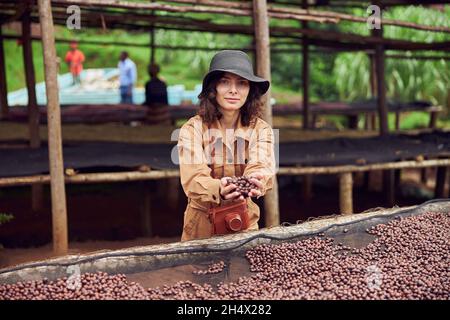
x=127, y=77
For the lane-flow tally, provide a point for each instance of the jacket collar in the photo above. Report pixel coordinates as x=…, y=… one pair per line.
x=241, y=131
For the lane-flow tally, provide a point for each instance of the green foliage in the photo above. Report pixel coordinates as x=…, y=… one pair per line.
x=343, y=76
x=406, y=79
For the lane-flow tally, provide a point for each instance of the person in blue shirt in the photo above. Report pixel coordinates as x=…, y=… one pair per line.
x=127, y=77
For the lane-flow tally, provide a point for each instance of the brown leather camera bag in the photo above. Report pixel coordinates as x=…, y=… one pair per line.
x=229, y=218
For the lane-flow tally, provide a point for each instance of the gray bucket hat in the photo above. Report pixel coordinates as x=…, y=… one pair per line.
x=236, y=62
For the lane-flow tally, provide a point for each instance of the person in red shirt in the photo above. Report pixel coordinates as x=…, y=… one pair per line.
x=74, y=59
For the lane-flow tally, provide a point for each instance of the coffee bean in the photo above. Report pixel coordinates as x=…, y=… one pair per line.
x=243, y=185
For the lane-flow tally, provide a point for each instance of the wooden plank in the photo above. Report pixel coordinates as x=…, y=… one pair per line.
x=58, y=193
x=163, y=174
x=262, y=46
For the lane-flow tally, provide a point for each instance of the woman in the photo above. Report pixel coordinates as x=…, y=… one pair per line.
x=225, y=139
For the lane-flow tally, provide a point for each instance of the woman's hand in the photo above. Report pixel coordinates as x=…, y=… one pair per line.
x=256, y=178
x=227, y=192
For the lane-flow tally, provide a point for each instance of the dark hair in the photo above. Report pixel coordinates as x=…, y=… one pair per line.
x=153, y=69
x=209, y=108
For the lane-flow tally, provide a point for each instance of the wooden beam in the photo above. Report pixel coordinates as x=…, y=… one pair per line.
x=3, y=87
x=262, y=46
x=233, y=8
x=163, y=174
x=325, y=37
x=92, y=178
x=369, y=167
x=58, y=193
x=33, y=111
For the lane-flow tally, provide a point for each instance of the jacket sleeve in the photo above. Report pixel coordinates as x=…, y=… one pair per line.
x=195, y=174
x=261, y=156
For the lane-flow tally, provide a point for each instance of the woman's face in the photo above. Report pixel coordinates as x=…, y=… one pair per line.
x=232, y=91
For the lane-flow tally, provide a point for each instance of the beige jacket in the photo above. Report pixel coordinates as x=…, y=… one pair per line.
x=204, y=159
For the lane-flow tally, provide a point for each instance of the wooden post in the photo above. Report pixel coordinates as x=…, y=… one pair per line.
x=33, y=111
x=146, y=209
x=388, y=186
x=307, y=187
x=448, y=183
x=398, y=115
x=172, y=192
x=346, y=193
x=441, y=174
x=58, y=193
x=397, y=178
x=371, y=117
x=424, y=174
x=381, y=85
x=433, y=119
x=388, y=175
x=353, y=122
x=255, y=62
x=305, y=73
x=373, y=75
x=3, y=88
x=37, y=190
x=262, y=46
x=152, y=41
x=152, y=45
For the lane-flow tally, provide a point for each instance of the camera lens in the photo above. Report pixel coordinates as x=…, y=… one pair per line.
x=234, y=222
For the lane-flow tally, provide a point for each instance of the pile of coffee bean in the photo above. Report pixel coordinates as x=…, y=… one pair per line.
x=183, y=290
x=243, y=184
x=407, y=260
x=88, y=286
x=212, y=268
